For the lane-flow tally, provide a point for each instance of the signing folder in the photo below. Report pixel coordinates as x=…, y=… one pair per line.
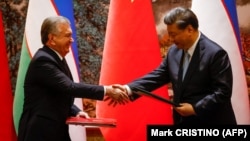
x=140, y=91
x=99, y=122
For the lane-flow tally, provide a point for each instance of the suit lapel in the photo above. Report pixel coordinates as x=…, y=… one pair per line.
x=195, y=60
x=66, y=68
x=63, y=65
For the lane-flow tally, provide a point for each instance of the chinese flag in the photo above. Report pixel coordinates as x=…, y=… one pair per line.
x=7, y=132
x=131, y=50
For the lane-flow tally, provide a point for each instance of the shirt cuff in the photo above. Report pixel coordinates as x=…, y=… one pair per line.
x=105, y=87
x=128, y=90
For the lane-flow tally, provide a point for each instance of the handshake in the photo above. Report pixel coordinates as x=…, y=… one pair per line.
x=117, y=94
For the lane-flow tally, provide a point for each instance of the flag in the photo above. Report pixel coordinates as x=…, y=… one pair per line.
x=131, y=50
x=6, y=97
x=37, y=12
x=218, y=20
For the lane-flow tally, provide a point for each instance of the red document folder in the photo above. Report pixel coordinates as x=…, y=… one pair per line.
x=107, y=122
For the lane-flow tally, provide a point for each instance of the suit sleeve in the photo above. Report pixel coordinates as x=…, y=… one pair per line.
x=49, y=73
x=74, y=110
x=152, y=80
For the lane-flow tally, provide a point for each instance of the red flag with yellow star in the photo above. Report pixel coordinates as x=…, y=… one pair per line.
x=131, y=50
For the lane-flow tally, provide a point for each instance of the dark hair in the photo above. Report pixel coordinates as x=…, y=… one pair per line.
x=182, y=17
x=50, y=25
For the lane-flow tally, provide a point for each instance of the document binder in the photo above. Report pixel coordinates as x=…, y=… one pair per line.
x=100, y=122
x=140, y=91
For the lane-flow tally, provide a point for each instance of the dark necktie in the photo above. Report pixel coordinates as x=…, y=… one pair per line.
x=68, y=73
x=185, y=63
x=66, y=67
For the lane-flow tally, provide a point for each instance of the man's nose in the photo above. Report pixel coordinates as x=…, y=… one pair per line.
x=71, y=39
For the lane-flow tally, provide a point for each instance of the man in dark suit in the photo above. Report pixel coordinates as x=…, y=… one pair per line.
x=204, y=91
x=49, y=89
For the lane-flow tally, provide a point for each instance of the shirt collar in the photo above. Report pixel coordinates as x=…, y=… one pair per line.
x=192, y=48
x=61, y=58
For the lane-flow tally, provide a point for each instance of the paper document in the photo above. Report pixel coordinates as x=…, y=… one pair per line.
x=146, y=93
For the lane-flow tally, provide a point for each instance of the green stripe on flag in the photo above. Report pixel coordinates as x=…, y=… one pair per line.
x=19, y=91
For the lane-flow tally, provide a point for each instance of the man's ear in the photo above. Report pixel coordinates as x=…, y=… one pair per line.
x=50, y=36
x=51, y=39
x=190, y=28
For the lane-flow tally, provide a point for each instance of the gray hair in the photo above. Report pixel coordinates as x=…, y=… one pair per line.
x=50, y=25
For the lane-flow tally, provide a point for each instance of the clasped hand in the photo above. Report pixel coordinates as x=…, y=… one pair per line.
x=116, y=94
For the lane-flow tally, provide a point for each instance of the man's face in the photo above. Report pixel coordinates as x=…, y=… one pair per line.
x=63, y=40
x=180, y=37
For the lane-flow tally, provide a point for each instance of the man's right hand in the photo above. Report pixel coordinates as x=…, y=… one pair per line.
x=117, y=94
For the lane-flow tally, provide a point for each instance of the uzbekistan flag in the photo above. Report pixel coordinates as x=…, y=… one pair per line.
x=37, y=12
x=218, y=20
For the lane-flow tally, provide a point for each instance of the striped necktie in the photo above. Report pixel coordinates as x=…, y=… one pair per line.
x=185, y=63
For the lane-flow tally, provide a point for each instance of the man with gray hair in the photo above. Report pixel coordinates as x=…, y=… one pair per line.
x=49, y=89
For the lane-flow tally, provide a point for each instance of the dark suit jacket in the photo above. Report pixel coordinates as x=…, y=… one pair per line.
x=207, y=84
x=48, y=98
